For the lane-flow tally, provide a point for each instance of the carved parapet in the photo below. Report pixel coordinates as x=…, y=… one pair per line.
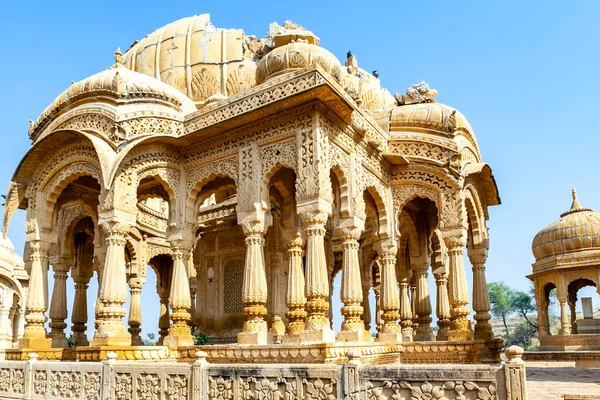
x=151, y=221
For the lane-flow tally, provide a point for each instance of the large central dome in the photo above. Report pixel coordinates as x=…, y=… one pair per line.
x=198, y=59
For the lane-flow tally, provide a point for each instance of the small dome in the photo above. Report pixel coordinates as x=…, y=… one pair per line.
x=577, y=229
x=117, y=84
x=292, y=57
x=435, y=116
x=431, y=118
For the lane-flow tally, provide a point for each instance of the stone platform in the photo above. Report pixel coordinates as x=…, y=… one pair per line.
x=468, y=352
x=582, y=359
x=583, y=342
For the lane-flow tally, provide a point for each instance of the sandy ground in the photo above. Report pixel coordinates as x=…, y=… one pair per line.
x=551, y=381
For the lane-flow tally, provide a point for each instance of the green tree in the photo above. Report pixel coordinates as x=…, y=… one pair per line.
x=501, y=300
x=150, y=340
x=523, y=305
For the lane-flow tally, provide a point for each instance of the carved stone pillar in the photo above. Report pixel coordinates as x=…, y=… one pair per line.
x=58, y=306
x=572, y=301
x=113, y=288
x=21, y=323
x=34, y=336
x=542, y=307
x=442, y=306
x=99, y=259
x=163, y=317
x=193, y=292
x=573, y=316
x=135, y=309
x=423, y=305
x=295, y=300
x=366, y=305
x=254, y=291
x=406, y=316
x=481, y=298
x=413, y=303
x=318, y=328
x=460, y=328
x=180, y=333
x=353, y=327
x=79, y=317
x=564, y=316
x=390, y=300
x=377, y=291
x=6, y=337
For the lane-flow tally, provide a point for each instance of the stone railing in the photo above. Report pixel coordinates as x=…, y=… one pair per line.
x=151, y=221
x=120, y=380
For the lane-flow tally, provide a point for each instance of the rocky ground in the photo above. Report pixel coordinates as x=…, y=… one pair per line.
x=551, y=381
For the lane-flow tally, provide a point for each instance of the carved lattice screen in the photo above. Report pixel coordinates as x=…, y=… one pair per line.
x=233, y=276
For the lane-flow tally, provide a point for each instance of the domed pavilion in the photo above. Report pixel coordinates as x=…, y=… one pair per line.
x=247, y=174
x=567, y=258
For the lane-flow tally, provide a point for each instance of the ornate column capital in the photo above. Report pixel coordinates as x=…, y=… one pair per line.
x=137, y=282
x=454, y=238
x=255, y=223
x=293, y=238
x=478, y=256
x=386, y=248
x=350, y=229
x=181, y=240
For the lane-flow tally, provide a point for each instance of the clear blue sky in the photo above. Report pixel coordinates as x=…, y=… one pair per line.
x=524, y=73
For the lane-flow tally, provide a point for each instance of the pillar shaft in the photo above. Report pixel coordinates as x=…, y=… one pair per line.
x=481, y=298
x=353, y=326
x=406, y=315
x=366, y=308
x=317, y=280
x=572, y=301
x=135, y=309
x=254, y=290
x=58, y=306
x=163, y=317
x=35, y=333
x=113, y=289
x=295, y=300
x=457, y=286
x=180, y=333
x=390, y=299
x=442, y=306
x=564, y=317
x=79, y=317
x=423, y=305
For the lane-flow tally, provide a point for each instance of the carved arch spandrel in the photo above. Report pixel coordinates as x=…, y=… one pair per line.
x=58, y=183
x=197, y=177
x=69, y=217
x=79, y=152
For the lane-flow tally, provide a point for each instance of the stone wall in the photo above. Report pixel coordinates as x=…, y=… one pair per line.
x=122, y=380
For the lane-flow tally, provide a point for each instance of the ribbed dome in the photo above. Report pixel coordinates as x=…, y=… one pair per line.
x=294, y=56
x=577, y=229
x=115, y=84
x=434, y=118
x=196, y=58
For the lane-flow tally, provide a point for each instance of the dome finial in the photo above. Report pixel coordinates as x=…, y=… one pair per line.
x=575, y=205
x=118, y=56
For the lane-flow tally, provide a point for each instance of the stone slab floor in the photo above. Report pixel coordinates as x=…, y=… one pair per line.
x=558, y=380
